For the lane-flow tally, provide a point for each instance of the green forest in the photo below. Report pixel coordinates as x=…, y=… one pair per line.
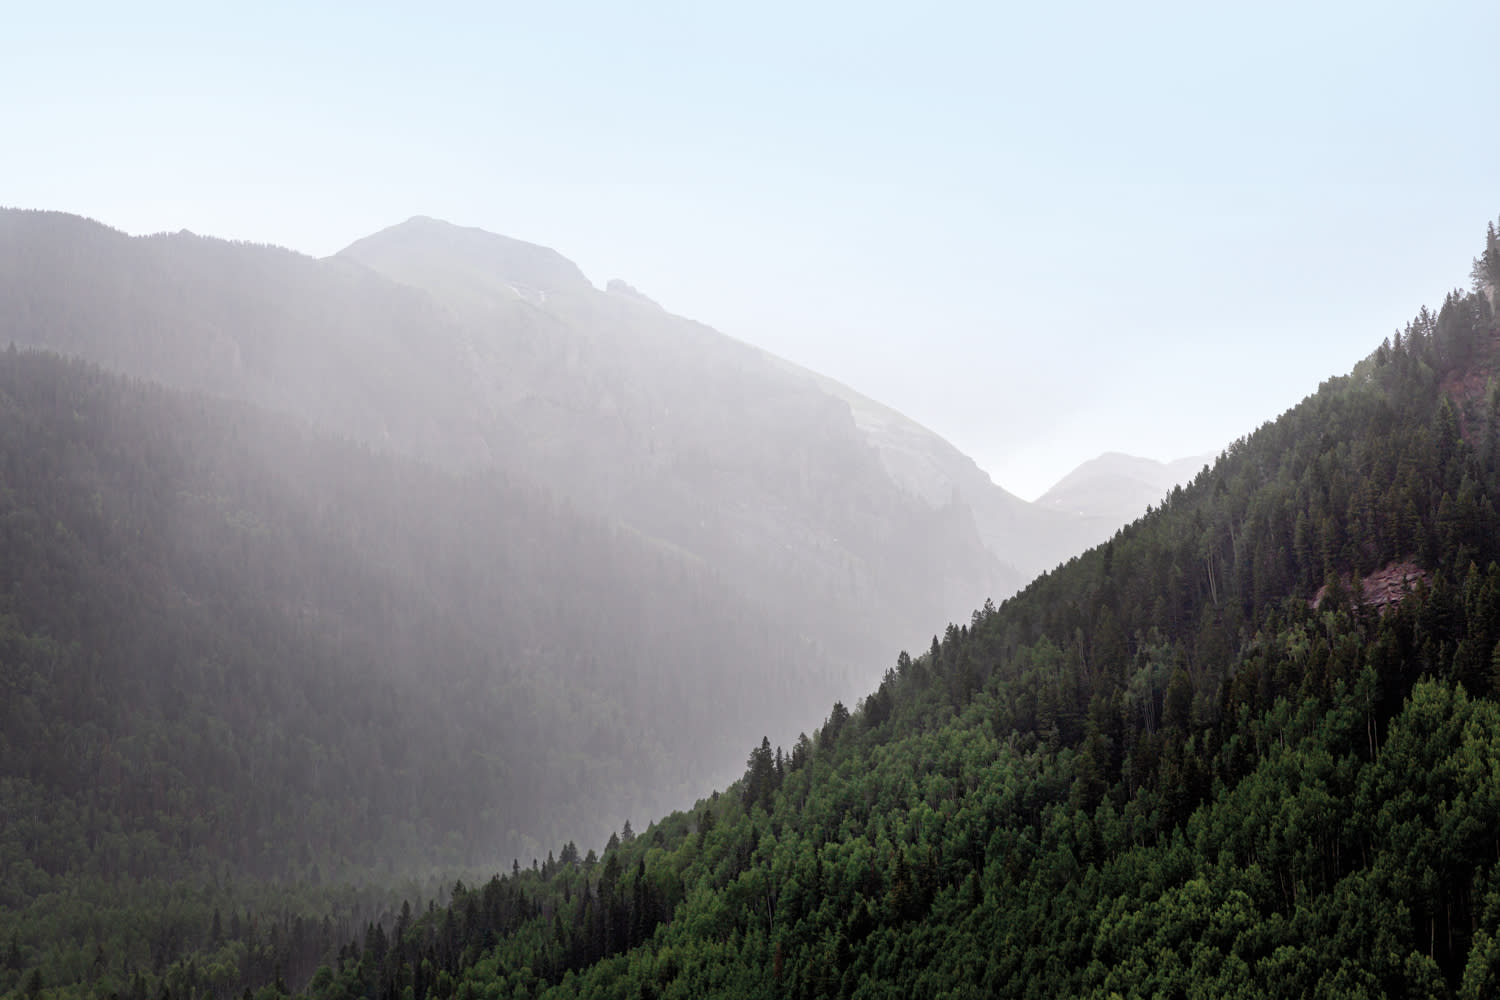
x=1250, y=746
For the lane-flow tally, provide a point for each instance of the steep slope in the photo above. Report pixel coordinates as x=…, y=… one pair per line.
x=615, y=372
x=1195, y=760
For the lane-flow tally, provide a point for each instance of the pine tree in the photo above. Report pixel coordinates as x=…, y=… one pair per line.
x=760, y=778
x=1486, y=270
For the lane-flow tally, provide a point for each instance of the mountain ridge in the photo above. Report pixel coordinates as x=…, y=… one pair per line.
x=565, y=276
x=1026, y=537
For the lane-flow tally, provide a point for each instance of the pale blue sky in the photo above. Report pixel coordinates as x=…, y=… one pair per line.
x=1044, y=231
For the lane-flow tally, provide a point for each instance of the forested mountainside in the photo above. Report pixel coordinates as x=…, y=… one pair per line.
x=1248, y=747
x=233, y=648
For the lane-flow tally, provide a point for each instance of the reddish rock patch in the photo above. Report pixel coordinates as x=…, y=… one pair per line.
x=1382, y=588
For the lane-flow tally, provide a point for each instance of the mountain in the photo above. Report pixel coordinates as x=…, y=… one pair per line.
x=699, y=439
x=618, y=364
x=329, y=342
x=473, y=351
x=532, y=535
x=231, y=645
x=1114, y=489
x=470, y=350
x=1244, y=748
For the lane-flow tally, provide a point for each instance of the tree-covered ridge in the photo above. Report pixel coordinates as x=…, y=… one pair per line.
x=1161, y=769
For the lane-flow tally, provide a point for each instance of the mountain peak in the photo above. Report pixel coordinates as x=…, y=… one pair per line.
x=423, y=244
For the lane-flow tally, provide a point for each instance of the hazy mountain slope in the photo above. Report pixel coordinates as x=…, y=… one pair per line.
x=1026, y=539
x=620, y=371
x=1082, y=509
x=481, y=350
x=697, y=439
x=327, y=341
x=488, y=352
x=1158, y=770
x=229, y=645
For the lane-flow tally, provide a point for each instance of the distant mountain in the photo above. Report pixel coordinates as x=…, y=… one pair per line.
x=1114, y=489
x=468, y=349
x=1029, y=538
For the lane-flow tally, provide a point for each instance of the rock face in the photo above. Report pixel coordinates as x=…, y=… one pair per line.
x=1026, y=538
x=1391, y=584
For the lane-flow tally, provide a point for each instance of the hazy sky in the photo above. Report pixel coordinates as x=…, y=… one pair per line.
x=1045, y=231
